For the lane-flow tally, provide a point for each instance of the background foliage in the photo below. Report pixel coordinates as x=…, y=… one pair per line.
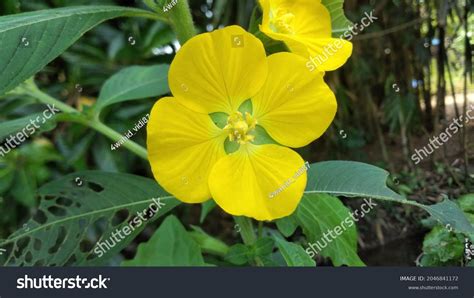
x=410, y=74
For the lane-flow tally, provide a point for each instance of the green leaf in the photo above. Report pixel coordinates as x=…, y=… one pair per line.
x=442, y=248
x=135, y=82
x=467, y=203
x=263, y=247
x=239, y=254
x=355, y=179
x=33, y=39
x=294, y=255
x=350, y=179
x=23, y=188
x=170, y=246
x=319, y=214
x=206, y=207
x=208, y=243
x=448, y=213
x=339, y=22
x=287, y=225
x=79, y=210
x=8, y=128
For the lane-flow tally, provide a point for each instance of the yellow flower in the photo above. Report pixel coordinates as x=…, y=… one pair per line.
x=305, y=27
x=226, y=75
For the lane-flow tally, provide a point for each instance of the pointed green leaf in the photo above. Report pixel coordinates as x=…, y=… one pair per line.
x=206, y=207
x=287, y=225
x=10, y=127
x=294, y=255
x=355, y=179
x=31, y=40
x=318, y=215
x=171, y=245
x=135, y=82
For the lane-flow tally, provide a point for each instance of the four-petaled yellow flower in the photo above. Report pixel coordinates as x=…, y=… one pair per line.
x=264, y=104
x=305, y=27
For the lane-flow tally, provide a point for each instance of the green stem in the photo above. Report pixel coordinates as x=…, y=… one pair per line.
x=248, y=234
x=30, y=89
x=246, y=229
x=182, y=21
x=73, y=115
x=115, y=136
x=177, y=14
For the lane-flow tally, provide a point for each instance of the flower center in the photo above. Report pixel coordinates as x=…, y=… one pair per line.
x=281, y=21
x=240, y=127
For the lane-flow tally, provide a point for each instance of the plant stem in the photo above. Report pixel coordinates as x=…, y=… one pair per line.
x=73, y=115
x=246, y=229
x=115, y=136
x=30, y=89
x=260, y=229
x=182, y=21
x=248, y=234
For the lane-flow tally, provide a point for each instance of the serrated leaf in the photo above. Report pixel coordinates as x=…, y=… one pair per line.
x=318, y=214
x=294, y=255
x=135, y=82
x=79, y=210
x=355, y=179
x=170, y=246
x=31, y=40
x=339, y=22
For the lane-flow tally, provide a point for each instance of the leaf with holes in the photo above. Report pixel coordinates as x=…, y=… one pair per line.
x=31, y=40
x=135, y=82
x=85, y=218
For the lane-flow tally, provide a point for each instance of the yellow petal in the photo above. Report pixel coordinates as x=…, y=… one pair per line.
x=263, y=182
x=311, y=18
x=183, y=146
x=295, y=106
x=312, y=33
x=326, y=53
x=216, y=72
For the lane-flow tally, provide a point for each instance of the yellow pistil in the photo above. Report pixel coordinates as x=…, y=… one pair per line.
x=240, y=128
x=281, y=21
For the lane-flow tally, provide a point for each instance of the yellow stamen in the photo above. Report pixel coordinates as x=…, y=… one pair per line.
x=239, y=128
x=281, y=21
